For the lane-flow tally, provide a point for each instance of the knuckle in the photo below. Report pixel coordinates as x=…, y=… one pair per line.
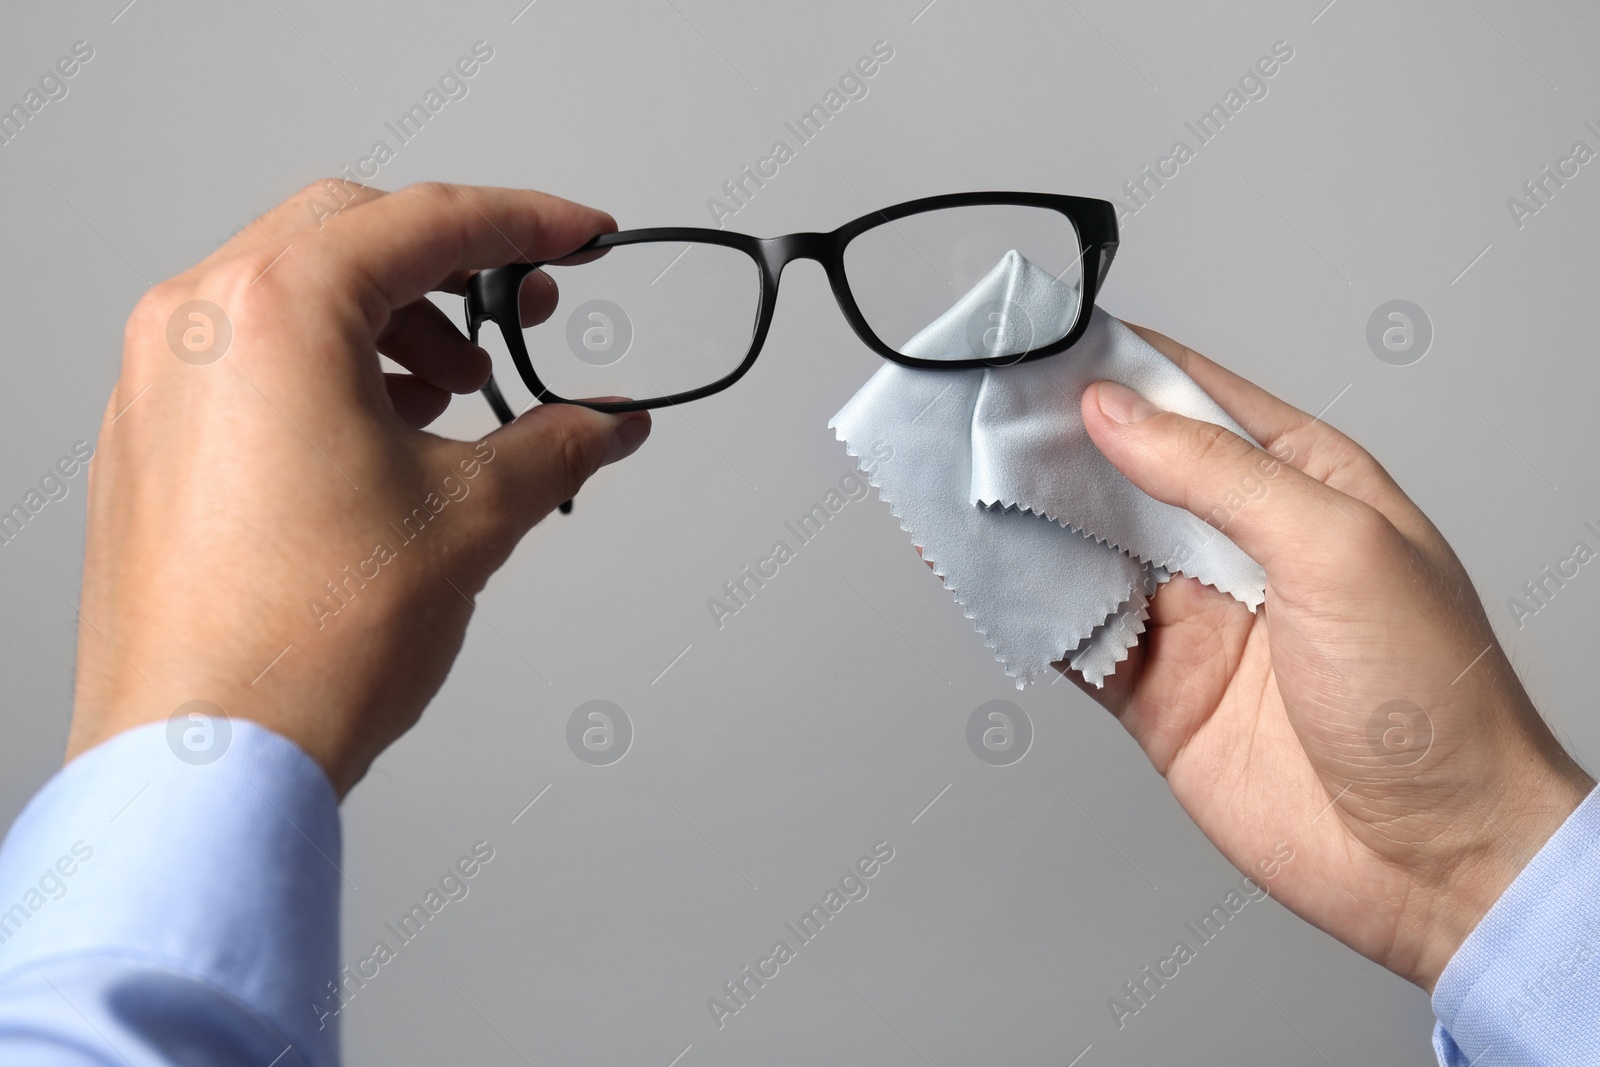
x=238, y=279
x=151, y=311
x=1215, y=446
x=576, y=458
x=442, y=204
x=335, y=185
x=317, y=189
x=220, y=297
x=437, y=191
x=1367, y=531
x=1327, y=455
x=1344, y=456
x=488, y=489
x=247, y=283
x=144, y=335
x=325, y=200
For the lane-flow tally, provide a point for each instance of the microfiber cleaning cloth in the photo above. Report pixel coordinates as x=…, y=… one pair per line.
x=1047, y=547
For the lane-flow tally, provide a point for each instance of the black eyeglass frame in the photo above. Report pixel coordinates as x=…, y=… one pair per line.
x=492, y=295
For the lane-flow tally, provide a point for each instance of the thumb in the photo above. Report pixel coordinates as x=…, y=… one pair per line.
x=1271, y=510
x=544, y=456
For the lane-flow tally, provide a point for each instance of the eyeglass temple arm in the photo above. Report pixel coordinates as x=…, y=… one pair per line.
x=491, y=393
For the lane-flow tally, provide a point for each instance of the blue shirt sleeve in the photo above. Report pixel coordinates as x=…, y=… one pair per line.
x=156, y=910
x=1524, y=987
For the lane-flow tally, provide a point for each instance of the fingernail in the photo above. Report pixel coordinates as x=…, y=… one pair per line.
x=1121, y=404
x=626, y=439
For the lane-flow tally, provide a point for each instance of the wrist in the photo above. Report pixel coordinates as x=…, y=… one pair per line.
x=199, y=731
x=1497, y=833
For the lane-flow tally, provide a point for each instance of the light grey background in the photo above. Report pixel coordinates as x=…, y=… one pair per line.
x=774, y=752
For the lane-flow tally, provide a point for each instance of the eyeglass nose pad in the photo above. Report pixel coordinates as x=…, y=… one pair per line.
x=491, y=388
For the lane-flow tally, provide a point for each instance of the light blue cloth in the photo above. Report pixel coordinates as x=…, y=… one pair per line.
x=155, y=912
x=1524, y=987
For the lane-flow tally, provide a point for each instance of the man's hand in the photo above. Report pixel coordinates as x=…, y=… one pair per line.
x=1366, y=716
x=271, y=530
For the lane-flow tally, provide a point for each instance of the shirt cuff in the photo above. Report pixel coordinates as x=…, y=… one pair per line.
x=1523, y=987
x=223, y=869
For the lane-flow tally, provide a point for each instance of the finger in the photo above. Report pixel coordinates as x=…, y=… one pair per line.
x=1301, y=440
x=1199, y=466
x=422, y=339
x=309, y=208
x=455, y=282
x=394, y=250
x=415, y=401
x=538, y=298
x=544, y=456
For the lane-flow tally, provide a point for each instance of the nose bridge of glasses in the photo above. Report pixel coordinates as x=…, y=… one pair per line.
x=779, y=252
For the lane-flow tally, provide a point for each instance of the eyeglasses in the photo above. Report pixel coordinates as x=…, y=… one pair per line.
x=665, y=316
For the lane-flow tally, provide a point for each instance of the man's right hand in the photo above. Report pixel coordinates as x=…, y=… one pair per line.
x=1366, y=716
